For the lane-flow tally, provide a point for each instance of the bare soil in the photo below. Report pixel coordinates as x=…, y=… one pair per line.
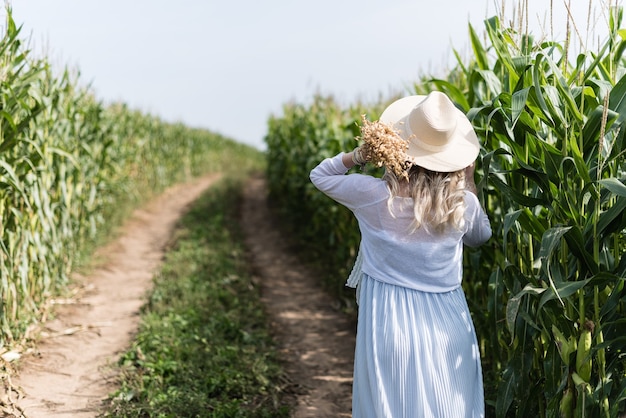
x=72, y=369
x=316, y=340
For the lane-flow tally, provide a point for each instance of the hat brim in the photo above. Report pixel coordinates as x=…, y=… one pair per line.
x=460, y=153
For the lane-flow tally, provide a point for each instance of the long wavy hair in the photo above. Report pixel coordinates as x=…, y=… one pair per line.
x=438, y=198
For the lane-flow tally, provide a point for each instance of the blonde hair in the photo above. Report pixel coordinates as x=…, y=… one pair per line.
x=438, y=198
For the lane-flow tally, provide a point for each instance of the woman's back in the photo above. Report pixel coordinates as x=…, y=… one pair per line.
x=393, y=250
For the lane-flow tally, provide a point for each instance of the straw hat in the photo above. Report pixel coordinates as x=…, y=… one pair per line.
x=440, y=136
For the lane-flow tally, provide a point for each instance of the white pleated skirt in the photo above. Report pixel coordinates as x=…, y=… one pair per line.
x=416, y=355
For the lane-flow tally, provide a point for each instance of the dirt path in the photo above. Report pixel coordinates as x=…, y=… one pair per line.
x=315, y=339
x=70, y=374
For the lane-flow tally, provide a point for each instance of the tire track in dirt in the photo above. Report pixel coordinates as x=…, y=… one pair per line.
x=69, y=375
x=316, y=340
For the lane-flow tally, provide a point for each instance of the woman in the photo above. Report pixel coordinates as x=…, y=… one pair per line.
x=416, y=351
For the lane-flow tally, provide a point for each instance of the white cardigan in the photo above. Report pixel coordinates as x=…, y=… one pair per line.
x=390, y=252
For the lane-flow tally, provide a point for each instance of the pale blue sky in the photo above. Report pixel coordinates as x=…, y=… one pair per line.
x=227, y=65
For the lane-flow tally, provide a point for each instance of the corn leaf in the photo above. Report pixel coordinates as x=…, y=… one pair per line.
x=561, y=291
x=617, y=99
x=513, y=304
x=479, y=52
x=615, y=186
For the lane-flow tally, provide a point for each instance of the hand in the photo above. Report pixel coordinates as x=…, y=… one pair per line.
x=352, y=158
x=358, y=156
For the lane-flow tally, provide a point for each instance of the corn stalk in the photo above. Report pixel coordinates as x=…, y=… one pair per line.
x=547, y=293
x=71, y=169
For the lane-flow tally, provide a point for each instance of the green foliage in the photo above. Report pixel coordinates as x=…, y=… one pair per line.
x=297, y=141
x=553, y=166
x=203, y=349
x=547, y=292
x=70, y=169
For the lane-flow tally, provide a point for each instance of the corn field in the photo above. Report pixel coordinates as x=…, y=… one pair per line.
x=547, y=291
x=71, y=169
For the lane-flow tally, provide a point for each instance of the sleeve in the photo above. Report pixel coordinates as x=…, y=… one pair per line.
x=351, y=190
x=479, y=227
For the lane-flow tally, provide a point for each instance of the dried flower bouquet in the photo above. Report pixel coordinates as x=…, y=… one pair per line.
x=383, y=146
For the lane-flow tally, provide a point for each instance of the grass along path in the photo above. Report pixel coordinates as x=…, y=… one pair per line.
x=203, y=349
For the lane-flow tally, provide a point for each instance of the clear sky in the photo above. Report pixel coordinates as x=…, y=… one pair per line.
x=227, y=65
